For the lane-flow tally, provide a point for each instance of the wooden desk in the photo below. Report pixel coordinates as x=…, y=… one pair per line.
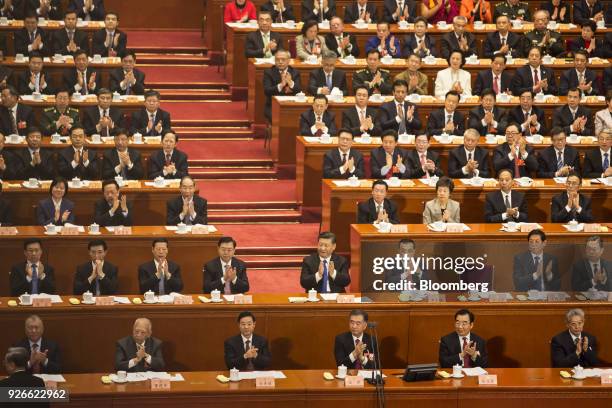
x=307, y=388
x=340, y=204
x=149, y=203
x=193, y=335
x=65, y=252
x=56, y=70
x=483, y=240
x=309, y=162
x=237, y=60
x=286, y=119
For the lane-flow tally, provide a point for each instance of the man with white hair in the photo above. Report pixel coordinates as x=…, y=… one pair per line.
x=43, y=354
x=574, y=347
x=140, y=351
x=458, y=40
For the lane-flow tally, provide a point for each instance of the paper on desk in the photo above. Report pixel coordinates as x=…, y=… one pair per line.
x=211, y=228
x=604, y=181
x=298, y=299
x=251, y=375
x=51, y=377
x=560, y=180
x=80, y=228
x=312, y=139
x=329, y=296
x=229, y=298
x=368, y=373
x=260, y=61
x=121, y=300
x=54, y=298
x=474, y=372
x=342, y=183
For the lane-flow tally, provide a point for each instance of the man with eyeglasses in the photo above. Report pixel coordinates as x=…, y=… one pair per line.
x=463, y=347
x=558, y=159
x=592, y=272
x=514, y=154
x=574, y=346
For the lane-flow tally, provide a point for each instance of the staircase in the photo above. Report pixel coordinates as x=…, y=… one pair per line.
x=246, y=198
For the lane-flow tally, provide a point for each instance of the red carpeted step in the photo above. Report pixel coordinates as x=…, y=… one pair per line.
x=227, y=173
x=242, y=193
x=226, y=152
x=273, y=239
x=213, y=114
x=253, y=216
x=181, y=75
x=195, y=95
x=273, y=261
x=146, y=58
x=210, y=133
x=166, y=41
x=275, y=281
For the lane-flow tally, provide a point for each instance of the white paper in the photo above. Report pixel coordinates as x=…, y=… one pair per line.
x=298, y=299
x=121, y=300
x=312, y=139
x=474, y=372
x=329, y=296
x=368, y=373
x=211, y=228
x=177, y=377
x=251, y=375
x=342, y=183
x=54, y=298
x=229, y=298
x=51, y=377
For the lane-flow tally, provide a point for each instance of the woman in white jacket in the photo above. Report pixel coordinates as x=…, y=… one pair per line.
x=453, y=77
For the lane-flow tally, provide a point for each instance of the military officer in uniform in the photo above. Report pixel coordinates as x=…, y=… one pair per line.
x=514, y=9
x=550, y=42
x=376, y=80
x=61, y=117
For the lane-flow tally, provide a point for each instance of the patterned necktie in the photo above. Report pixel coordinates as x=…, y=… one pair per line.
x=168, y=159
x=467, y=361
x=536, y=79
x=358, y=365
x=36, y=367
x=34, y=279
x=606, y=161
x=343, y=158
x=496, y=84
x=97, y=287
x=70, y=35
x=325, y=277
x=227, y=288
x=250, y=366
x=536, y=265
x=402, y=125
x=162, y=283
x=507, y=201
x=559, y=160
x=13, y=122
x=328, y=81
x=423, y=160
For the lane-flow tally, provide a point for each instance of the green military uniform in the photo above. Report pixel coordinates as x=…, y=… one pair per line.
x=553, y=47
x=364, y=76
x=513, y=12
x=51, y=115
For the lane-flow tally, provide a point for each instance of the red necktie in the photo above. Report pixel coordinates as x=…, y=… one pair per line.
x=358, y=361
x=467, y=361
x=535, y=77
x=495, y=84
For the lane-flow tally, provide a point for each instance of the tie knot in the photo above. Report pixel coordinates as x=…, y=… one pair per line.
x=35, y=346
x=325, y=262
x=357, y=341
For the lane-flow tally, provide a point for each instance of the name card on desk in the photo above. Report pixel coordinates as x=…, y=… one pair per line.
x=488, y=379
x=199, y=229
x=345, y=299
x=592, y=228
x=104, y=301
x=454, y=227
x=490, y=183
x=399, y=229
x=8, y=231
x=606, y=379
x=353, y=381
x=69, y=230
x=498, y=297
x=182, y=300
x=243, y=299
x=609, y=296
x=122, y=230
x=41, y=302
x=265, y=382
x=158, y=384
x=528, y=227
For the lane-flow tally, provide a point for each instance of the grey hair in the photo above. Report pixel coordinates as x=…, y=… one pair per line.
x=574, y=312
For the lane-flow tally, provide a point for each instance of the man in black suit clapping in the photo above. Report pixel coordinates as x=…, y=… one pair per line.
x=43, y=354
x=160, y=275
x=247, y=351
x=226, y=273
x=343, y=162
x=356, y=349
x=97, y=276
x=463, y=347
x=263, y=43
x=325, y=271
x=188, y=208
x=574, y=347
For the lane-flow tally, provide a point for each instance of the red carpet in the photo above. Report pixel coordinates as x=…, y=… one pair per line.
x=235, y=191
x=181, y=74
x=275, y=281
x=273, y=235
x=147, y=38
x=224, y=149
x=204, y=111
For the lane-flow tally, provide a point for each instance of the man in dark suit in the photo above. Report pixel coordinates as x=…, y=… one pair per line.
x=515, y=155
x=378, y=208
x=487, y=118
x=597, y=162
x=247, y=351
x=469, y=160
x=534, y=76
x=497, y=79
x=502, y=41
x=32, y=276
x=281, y=79
x=458, y=40
x=413, y=272
x=311, y=10
x=280, y=10
x=317, y=120
x=98, y=276
x=570, y=205
x=15, y=118
x=31, y=38
x=113, y=209
x=88, y=11
x=226, y=273
x=44, y=355
x=559, y=159
x=9, y=163
x=573, y=117
x=399, y=10
x=343, y=162
x=35, y=162
x=574, y=347
x=15, y=363
x=422, y=161
x=151, y=120
x=103, y=119
x=323, y=80
x=140, y=351
x=606, y=82
x=534, y=269
x=419, y=42
x=587, y=10
x=109, y=41
x=463, y=347
x=160, y=275
x=122, y=161
x=35, y=79
x=505, y=204
x=530, y=117
x=81, y=79
x=70, y=39
x=399, y=115
x=356, y=349
x=127, y=80
x=6, y=217
x=389, y=160
x=360, y=119
x=169, y=163
x=76, y=160
x=361, y=10
x=448, y=119
x=592, y=271
x=339, y=43
x=49, y=10
x=579, y=77
x=325, y=271
x=188, y=208
x=263, y=43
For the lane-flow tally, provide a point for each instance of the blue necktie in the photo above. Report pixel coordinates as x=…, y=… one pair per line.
x=325, y=277
x=606, y=162
x=34, y=279
x=559, y=160
x=97, y=287
x=536, y=264
x=328, y=81
x=162, y=289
